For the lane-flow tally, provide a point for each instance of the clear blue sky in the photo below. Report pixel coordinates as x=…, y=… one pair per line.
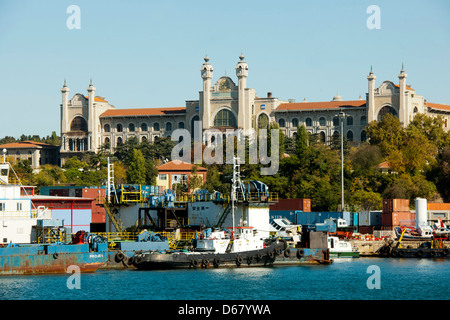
x=149, y=53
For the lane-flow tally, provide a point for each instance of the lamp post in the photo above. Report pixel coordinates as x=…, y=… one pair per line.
x=342, y=116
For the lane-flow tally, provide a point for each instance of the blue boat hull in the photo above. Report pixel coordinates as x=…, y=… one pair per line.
x=52, y=258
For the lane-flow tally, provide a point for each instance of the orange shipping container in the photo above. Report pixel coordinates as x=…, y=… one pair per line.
x=438, y=206
x=398, y=218
x=390, y=205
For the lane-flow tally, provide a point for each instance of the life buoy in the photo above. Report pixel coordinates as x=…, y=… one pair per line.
x=300, y=253
x=55, y=255
x=287, y=253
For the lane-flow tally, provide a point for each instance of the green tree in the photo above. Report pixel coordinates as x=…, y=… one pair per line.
x=301, y=142
x=136, y=173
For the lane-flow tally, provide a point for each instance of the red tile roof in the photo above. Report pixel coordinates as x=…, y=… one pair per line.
x=407, y=87
x=177, y=165
x=25, y=144
x=437, y=106
x=98, y=99
x=143, y=112
x=320, y=105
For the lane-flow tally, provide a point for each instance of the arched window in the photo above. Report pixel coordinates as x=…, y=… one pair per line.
x=308, y=122
x=144, y=139
x=363, y=135
x=144, y=127
x=225, y=118
x=322, y=136
x=107, y=128
x=181, y=125
x=169, y=126
x=281, y=123
x=119, y=141
x=79, y=124
x=350, y=121
x=363, y=120
x=263, y=121
x=322, y=121
x=416, y=110
x=350, y=135
x=119, y=127
x=131, y=127
x=386, y=110
x=107, y=140
x=295, y=122
x=156, y=126
x=194, y=119
x=336, y=121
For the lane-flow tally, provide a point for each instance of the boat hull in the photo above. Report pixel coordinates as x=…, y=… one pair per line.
x=51, y=259
x=353, y=254
x=271, y=256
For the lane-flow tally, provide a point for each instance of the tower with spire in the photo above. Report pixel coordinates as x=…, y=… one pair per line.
x=244, y=112
x=371, y=96
x=205, y=103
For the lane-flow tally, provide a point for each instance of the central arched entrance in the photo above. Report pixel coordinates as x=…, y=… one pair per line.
x=386, y=110
x=225, y=118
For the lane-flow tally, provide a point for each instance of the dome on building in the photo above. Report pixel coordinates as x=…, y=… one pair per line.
x=337, y=98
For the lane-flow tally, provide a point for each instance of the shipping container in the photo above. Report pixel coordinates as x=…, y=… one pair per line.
x=438, y=206
x=391, y=205
x=370, y=218
x=292, y=204
x=398, y=218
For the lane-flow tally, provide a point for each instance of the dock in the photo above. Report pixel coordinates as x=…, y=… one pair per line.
x=370, y=248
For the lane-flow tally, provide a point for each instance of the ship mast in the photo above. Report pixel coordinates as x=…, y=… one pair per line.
x=235, y=185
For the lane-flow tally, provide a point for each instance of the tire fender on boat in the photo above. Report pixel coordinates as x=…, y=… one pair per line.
x=287, y=253
x=55, y=255
x=238, y=261
x=216, y=263
x=259, y=255
x=271, y=254
x=249, y=260
x=205, y=263
x=300, y=253
x=119, y=256
x=194, y=263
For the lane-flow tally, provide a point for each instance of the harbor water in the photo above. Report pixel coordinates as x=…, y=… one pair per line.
x=345, y=279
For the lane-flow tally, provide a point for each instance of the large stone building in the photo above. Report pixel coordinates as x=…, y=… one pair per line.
x=87, y=122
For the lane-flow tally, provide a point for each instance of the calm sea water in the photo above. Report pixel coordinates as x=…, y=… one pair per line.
x=345, y=279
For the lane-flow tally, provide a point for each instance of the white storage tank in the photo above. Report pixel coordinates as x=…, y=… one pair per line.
x=421, y=212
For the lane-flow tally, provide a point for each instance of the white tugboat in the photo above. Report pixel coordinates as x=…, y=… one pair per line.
x=341, y=249
x=241, y=246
